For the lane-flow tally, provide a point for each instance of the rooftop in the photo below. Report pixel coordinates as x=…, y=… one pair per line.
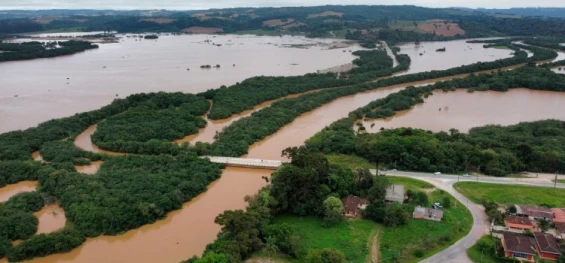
x=533, y=211
x=395, y=193
x=351, y=204
x=518, y=243
x=519, y=220
x=559, y=215
x=547, y=243
x=420, y=211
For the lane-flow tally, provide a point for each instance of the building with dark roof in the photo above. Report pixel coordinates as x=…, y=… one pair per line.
x=518, y=246
x=395, y=193
x=547, y=246
x=427, y=213
x=352, y=205
x=534, y=212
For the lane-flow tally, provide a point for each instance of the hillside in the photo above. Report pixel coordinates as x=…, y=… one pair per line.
x=368, y=23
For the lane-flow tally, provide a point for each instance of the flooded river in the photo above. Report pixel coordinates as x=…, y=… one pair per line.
x=12, y=189
x=457, y=53
x=462, y=110
x=51, y=218
x=180, y=235
x=97, y=76
x=185, y=232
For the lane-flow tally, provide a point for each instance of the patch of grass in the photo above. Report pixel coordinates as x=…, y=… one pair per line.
x=483, y=250
x=512, y=194
x=349, y=236
x=560, y=181
x=351, y=161
x=409, y=183
x=400, y=244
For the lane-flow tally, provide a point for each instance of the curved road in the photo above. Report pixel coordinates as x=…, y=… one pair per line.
x=457, y=252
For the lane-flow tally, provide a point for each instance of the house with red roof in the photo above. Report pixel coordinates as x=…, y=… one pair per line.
x=352, y=205
x=547, y=246
x=518, y=246
x=520, y=222
x=559, y=215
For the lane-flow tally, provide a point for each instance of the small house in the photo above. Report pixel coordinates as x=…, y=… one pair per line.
x=546, y=246
x=520, y=222
x=518, y=246
x=352, y=205
x=538, y=213
x=395, y=193
x=427, y=213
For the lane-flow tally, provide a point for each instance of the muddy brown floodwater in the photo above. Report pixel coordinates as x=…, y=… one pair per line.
x=171, y=63
x=89, y=169
x=213, y=127
x=180, y=235
x=186, y=232
x=12, y=189
x=83, y=141
x=51, y=218
x=457, y=53
x=462, y=110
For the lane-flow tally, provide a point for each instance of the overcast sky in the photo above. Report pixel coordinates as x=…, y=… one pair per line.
x=205, y=4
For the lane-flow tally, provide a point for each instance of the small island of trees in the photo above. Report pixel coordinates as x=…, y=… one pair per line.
x=151, y=37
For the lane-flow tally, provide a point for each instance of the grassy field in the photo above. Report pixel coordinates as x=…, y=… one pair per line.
x=412, y=184
x=512, y=194
x=350, y=237
x=396, y=244
x=401, y=244
x=561, y=181
x=351, y=161
x=487, y=243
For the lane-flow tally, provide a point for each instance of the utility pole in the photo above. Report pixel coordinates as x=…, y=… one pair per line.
x=555, y=181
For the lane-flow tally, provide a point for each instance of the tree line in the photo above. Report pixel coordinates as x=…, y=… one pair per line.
x=235, y=139
x=491, y=150
x=127, y=192
x=145, y=126
x=18, y=145
x=251, y=92
x=33, y=50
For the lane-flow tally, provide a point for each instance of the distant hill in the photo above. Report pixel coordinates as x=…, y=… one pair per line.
x=536, y=12
x=367, y=23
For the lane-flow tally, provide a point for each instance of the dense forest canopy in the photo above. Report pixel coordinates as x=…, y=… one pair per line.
x=32, y=50
x=491, y=150
x=237, y=98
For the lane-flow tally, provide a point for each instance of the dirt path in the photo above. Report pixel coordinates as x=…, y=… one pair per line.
x=375, y=248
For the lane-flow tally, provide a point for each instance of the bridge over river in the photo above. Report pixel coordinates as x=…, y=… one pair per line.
x=244, y=162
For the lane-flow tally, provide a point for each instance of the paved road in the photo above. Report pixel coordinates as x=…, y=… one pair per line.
x=457, y=253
